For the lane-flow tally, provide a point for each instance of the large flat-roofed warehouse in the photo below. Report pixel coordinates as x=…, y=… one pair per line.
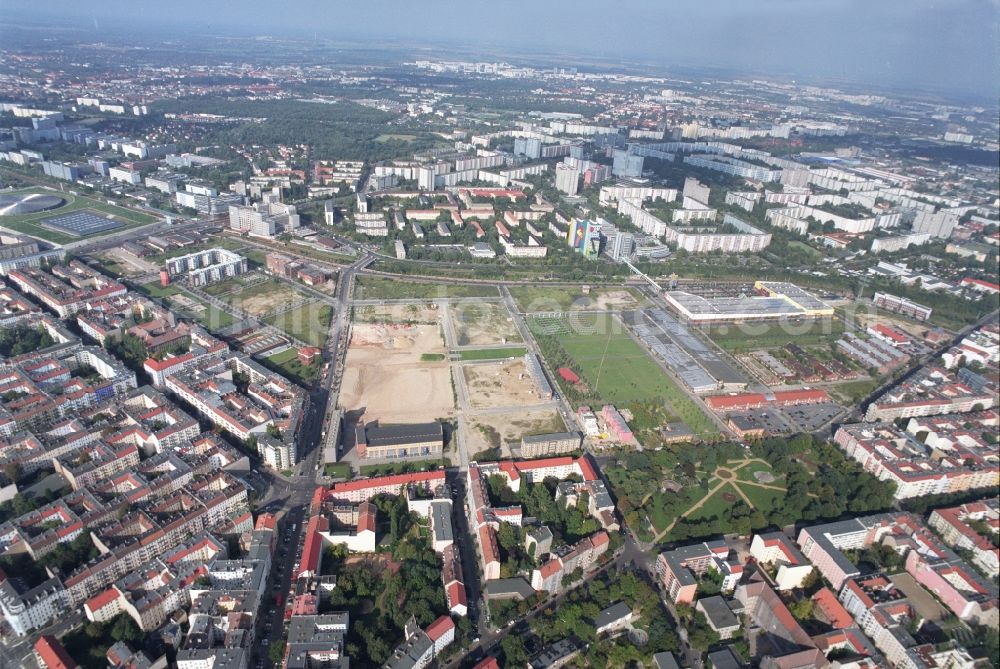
x=400, y=441
x=701, y=368
x=556, y=443
x=780, y=300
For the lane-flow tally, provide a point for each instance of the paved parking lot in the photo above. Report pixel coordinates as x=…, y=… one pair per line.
x=811, y=417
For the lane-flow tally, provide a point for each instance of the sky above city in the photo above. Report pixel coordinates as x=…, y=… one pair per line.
x=924, y=45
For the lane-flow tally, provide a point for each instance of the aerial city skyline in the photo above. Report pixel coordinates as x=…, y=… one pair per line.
x=922, y=46
x=468, y=336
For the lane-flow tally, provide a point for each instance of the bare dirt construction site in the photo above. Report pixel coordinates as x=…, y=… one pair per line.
x=613, y=300
x=256, y=294
x=385, y=375
x=415, y=312
x=500, y=384
x=485, y=431
x=482, y=323
x=915, y=330
x=126, y=263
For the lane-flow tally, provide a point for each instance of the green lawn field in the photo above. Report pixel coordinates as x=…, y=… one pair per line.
x=378, y=288
x=717, y=504
x=289, y=364
x=764, y=499
x=617, y=369
x=338, y=470
x=310, y=322
x=746, y=473
x=614, y=367
x=535, y=299
x=390, y=468
x=154, y=289
x=209, y=316
x=492, y=353
x=30, y=224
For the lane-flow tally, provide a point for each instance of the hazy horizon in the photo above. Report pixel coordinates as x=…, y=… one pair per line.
x=922, y=45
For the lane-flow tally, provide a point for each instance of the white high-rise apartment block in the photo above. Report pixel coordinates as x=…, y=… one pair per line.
x=425, y=178
x=626, y=164
x=567, y=179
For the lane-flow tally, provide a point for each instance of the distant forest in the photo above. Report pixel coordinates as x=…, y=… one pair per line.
x=340, y=130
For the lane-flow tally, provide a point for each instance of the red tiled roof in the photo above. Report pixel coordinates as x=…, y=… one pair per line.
x=488, y=663
x=166, y=363
x=984, y=284
x=510, y=469
x=832, y=609
x=488, y=544
x=507, y=511
x=52, y=653
x=731, y=401
x=808, y=395
x=366, y=518
x=395, y=480
x=440, y=627
x=586, y=468
x=892, y=334
x=313, y=547
x=456, y=594
x=305, y=605
x=101, y=599
x=549, y=568
x=528, y=465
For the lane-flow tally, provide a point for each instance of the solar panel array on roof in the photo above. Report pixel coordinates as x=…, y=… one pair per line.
x=801, y=297
x=734, y=306
x=81, y=223
x=701, y=368
x=682, y=364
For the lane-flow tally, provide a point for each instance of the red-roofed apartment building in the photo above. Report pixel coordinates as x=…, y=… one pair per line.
x=364, y=489
x=441, y=632
x=50, y=654
x=266, y=521
x=582, y=555
x=832, y=610
x=103, y=606
x=486, y=518
x=757, y=400
x=953, y=526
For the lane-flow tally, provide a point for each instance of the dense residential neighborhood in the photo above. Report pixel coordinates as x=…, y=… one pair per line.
x=378, y=353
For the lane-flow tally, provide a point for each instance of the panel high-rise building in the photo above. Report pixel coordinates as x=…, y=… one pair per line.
x=626, y=165
x=529, y=147
x=426, y=177
x=567, y=179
